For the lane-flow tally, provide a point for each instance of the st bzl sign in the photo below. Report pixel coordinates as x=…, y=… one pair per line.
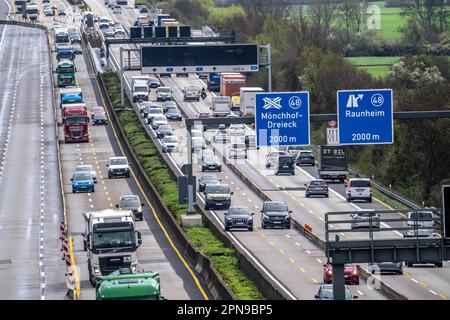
x=282, y=119
x=365, y=116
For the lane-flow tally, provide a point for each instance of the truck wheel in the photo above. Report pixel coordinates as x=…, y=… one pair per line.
x=348, y=199
x=370, y=200
x=306, y=195
x=438, y=265
x=227, y=229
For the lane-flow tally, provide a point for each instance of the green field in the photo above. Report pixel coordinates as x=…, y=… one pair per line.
x=391, y=21
x=364, y=61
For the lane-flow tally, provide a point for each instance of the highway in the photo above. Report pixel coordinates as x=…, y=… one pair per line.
x=30, y=202
x=157, y=253
x=296, y=259
x=416, y=283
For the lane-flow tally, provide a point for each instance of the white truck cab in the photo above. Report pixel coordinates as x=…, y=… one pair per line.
x=111, y=241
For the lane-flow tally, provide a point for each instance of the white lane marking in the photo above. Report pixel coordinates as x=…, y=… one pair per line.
x=359, y=292
x=308, y=252
x=319, y=261
x=433, y=292
x=414, y=280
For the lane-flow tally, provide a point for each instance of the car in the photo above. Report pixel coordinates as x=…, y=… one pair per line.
x=238, y=151
x=202, y=75
x=45, y=1
x=75, y=38
x=358, y=189
x=236, y=130
x=119, y=30
x=152, y=113
x=205, y=153
x=61, y=11
x=163, y=94
x=326, y=293
x=48, y=12
x=196, y=134
x=217, y=196
x=174, y=114
x=204, y=115
x=272, y=158
x=170, y=144
x=316, y=187
x=221, y=136
x=285, y=163
x=169, y=105
x=158, y=120
x=132, y=203
x=77, y=48
x=386, y=267
x=191, y=93
x=211, y=163
x=250, y=141
x=305, y=157
x=116, y=9
x=275, y=214
x=198, y=144
x=87, y=168
x=103, y=22
x=205, y=180
x=82, y=181
x=163, y=130
x=238, y=218
x=350, y=271
x=108, y=32
x=154, y=82
x=118, y=167
x=98, y=115
x=144, y=106
x=182, y=74
x=143, y=9
x=418, y=219
x=361, y=219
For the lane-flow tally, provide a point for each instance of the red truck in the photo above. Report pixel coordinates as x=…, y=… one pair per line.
x=76, y=120
x=230, y=84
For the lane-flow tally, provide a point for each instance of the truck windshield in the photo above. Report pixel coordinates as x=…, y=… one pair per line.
x=118, y=161
x=61, y=38
x=76, y=120
x=69, y=69
x=218, y=189
x=140, y=89
x=105, y=240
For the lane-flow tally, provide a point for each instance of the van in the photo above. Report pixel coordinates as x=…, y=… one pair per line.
x=140, y=89
x=359, y=189
x=285, y=164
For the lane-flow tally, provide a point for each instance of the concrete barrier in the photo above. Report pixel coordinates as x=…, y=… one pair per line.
x=24, y=24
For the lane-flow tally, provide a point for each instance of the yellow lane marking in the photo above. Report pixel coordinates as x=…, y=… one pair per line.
x=314, y=280
x=292, y=260
x=349, y=237
x=302, y=270
x=271, y=243
x=442, y=296
x=281, y=251
x=169, y=239
x=263, y=235
x=423, y=284
x=74, y=267
x=387, y=206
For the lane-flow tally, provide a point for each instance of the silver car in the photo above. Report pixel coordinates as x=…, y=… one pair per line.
x=361, y=219
x=88, y=168
x=418, y=219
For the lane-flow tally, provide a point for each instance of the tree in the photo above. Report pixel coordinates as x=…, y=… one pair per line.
x=276, y=9
x=352, y=13
x=430, y=15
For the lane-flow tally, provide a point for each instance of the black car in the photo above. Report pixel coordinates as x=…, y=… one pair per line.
x=169, y=105
x=203, y=181
x=305, y=157
x=99, y=119
x=174, y=114
x=275, y=214
x=316, y=187
x=163, y=130
x=285, y=164
x=326, y=293
x=182, y=74
x=211, y=163
x=238, y=217
x=75, y=38
x=132, y=203
x=386, y=267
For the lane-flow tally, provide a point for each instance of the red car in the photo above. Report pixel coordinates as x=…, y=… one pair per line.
x=204, y=115
x=350, y=270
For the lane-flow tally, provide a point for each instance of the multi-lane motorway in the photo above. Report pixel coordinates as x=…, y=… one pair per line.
x=30, y=201
x=30, y=261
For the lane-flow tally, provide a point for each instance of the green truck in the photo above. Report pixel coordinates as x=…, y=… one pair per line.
x=124, y=284
x=65, y=73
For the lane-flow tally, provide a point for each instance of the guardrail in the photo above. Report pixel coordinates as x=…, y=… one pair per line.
x=386, y=191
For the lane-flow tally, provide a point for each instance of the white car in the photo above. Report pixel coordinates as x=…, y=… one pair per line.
x=103, y=22
x=119, y=30
x=158, y=121
x=198, y=143
x=361, y=219
x=88, y=168
x=118, y=167
x=418, y=219
x=170, y=144
x=238, y=151
x=163, y=94
x=236, y=130
x=109, y=33
x=358, y=189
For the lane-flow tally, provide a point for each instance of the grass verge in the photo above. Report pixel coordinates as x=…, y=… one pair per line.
x=223, y=258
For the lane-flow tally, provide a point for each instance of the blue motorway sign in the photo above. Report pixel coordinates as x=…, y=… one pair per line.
x=365, y=116
x=282, y=119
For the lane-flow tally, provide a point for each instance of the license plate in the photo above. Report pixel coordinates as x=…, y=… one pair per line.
x=277, y=222
x=219, y=203
x=285, y=166
x=360, y=190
